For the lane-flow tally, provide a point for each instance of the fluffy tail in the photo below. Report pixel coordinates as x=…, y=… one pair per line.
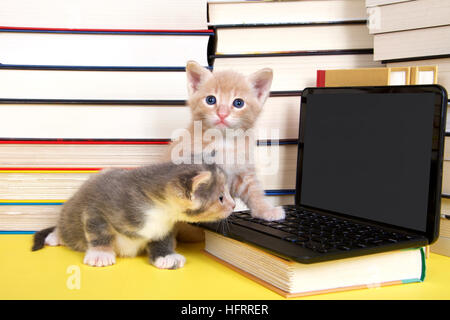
x=39, y=238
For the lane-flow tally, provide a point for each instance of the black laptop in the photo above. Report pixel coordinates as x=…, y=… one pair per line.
x=369, y=172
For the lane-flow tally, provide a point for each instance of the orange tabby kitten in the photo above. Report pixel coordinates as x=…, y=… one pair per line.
x=222, y=101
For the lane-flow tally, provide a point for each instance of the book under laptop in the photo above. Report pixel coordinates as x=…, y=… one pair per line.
x=369, y=173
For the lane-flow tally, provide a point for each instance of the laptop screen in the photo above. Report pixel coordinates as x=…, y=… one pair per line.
x=368, y=155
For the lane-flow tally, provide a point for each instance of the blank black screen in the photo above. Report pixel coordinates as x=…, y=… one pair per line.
x=368, y=155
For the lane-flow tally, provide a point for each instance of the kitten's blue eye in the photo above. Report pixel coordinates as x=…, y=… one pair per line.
x=238, y=103
x=221, y=198
x=210, y=100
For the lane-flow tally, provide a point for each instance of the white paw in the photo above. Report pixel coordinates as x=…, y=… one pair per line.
x=52, y=239
x=272, y=214
x=99, y=258
x=171, y=261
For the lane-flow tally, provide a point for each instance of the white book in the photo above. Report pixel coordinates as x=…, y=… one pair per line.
x=91, y=121
x=446, y=177
x=54, y=186
x=276, y=166
x=92, y=84
x=105, y=14
x=441, y=246
x=28, y=217
x=280, y=116
x=92, y=49
x=276, y=170
x=292, y=279
x=447, y=147
x=295, y=72
x=37, y=217
x=408, y=15
x=292, y=38
x=279, y=119
x=373, y=3
x=251, y=12
x=64, y=155
x=412, y=43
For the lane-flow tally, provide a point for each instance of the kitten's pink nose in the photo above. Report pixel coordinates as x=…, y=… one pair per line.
x=223, y=112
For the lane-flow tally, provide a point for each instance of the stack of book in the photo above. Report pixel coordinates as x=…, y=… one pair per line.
x=87, y=86
x=38, y=175
x=405, y=36
x=294, y=38
x=84, y=86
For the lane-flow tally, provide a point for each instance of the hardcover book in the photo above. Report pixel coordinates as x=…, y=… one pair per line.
x=441, y=64
x=296, y=70
x=284, y=12
x=273, y=38
x=291, y=279
x=106, y=14
x=363, y=77
x=103, y=47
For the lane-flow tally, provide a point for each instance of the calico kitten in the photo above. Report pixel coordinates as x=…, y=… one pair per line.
x=124, y=212
x=224, y=101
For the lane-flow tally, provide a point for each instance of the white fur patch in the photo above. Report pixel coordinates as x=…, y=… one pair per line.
x=271, y=214
x=158, y=223
x=99, y=258
x=52, y=239
x=127, y=247
x=171, y=261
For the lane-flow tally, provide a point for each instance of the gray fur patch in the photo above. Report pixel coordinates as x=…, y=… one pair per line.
x=115, y=201
x=162, y=247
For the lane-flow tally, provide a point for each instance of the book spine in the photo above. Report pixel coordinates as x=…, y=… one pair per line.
x=93, y=68
x=84, y=141
x=320, y=78
x=94, y=102
x=32, y=202
x=56, y=202
x=208, y=32
x=289, y=24
x=432, y=57
x=297, y=53
x=17, y=232
x=4, y=140
x=50, y=170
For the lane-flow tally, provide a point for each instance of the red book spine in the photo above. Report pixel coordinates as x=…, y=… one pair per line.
x=63, y=141
x=50, y=169
x=320, y=78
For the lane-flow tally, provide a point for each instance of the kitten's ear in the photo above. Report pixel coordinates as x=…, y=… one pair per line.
x=201, y=177
x=261, y=81
x=196, y=75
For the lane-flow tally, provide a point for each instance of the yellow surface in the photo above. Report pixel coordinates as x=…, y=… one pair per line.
x=46, y=274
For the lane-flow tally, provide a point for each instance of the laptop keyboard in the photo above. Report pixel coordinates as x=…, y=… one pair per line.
x=320, y=233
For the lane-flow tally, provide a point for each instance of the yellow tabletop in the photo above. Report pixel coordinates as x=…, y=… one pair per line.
x=59, y=273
